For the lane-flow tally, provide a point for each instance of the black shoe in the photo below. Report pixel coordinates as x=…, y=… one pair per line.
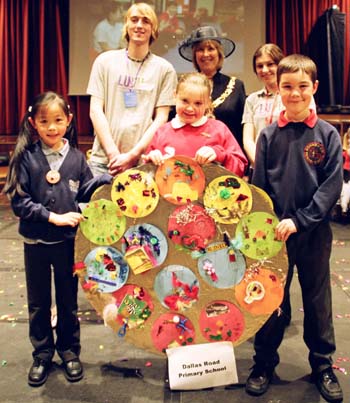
x=73, y=370
x=259, y=380
x=328, y=385
x=38, y=372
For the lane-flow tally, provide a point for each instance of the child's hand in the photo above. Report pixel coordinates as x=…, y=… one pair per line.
x=71, y=218
x=205, y=155
x=285, y=228
x=157, y=157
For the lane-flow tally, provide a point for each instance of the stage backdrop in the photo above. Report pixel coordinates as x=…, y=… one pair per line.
x=243, y=21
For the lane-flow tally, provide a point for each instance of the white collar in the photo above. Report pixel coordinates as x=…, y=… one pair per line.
x=176, y=123
x=49, y=151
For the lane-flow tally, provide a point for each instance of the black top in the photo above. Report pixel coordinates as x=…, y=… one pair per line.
x=231, y=110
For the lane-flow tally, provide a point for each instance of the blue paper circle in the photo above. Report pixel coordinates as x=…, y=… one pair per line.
x=105, y=266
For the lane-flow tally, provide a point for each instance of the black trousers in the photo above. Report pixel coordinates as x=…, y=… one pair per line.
x=310, y=253
x=40, y=260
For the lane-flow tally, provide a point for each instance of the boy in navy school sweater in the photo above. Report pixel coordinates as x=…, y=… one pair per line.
x=299, y=164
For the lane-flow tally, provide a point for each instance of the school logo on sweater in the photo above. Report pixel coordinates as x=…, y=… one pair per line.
x=314, y=153
x=74, y=185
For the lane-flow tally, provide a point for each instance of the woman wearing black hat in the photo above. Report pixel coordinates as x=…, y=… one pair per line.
x=207, y=50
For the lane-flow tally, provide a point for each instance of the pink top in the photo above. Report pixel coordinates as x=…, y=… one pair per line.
x=346, y=157
x=187, y=139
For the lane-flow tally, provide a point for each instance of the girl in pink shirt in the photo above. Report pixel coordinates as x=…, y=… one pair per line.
x=193, y=132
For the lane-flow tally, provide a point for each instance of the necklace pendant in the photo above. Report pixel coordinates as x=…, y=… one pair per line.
x=53, y=177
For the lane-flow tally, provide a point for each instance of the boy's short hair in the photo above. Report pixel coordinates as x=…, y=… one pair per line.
x=294, y=63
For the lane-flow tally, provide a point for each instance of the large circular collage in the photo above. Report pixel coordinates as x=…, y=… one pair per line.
x=180, y=254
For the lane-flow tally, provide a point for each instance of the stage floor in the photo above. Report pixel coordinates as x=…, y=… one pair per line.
x=100, y=346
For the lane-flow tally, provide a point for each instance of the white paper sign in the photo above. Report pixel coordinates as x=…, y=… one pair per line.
x=201, y=366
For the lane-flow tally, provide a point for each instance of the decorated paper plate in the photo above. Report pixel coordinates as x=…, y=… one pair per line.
x=260, y=292
x=195, y=281
x=221, y=321
x=144, y=246
x=220, y=266
x=180, y=180
x=104, y=223
x=191, y=227
x=134, y=307
x=227, y=198
x=257, y=234
x=172, y=330
x=106, y=268
x=177, y=287
x=135, y=192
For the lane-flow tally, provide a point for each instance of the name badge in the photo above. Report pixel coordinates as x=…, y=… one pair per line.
x=130, y=99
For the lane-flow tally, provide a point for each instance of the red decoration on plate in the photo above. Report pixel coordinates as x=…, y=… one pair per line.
x=180, y=180
x=221, y=321
x=172, y=330
x=191, y=227
x=135, y=290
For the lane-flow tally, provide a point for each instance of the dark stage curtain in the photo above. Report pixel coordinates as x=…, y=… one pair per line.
x=289, y=24
x=33, y=54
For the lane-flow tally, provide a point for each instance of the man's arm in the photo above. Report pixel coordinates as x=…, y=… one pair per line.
x=120, y=162
x=102, y=128
x=161, y=117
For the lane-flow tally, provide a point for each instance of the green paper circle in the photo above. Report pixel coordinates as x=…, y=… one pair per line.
x=257, y=234
x=104, y=222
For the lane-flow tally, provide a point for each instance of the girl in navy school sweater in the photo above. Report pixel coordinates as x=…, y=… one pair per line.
x=48, y=176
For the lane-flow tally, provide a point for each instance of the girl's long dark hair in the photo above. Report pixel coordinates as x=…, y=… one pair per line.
x=27, y=136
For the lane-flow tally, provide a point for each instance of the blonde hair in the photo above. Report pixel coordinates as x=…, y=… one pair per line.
x=147, y=11
x=201, y=80
x=217, y=45
x=346, y=140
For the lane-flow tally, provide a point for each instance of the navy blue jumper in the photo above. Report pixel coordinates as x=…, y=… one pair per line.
x=299, y=164
x=47, y=245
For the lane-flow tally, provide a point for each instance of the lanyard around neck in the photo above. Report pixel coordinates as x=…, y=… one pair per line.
x=137, y=61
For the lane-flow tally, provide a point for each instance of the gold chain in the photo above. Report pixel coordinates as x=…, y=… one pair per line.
x=228, y=91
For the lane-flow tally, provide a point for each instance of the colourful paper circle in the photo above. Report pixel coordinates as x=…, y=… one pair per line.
x=220, y=266
x=180, y=180
x=191, y=227
x=134, y=305
x=176, y=287
x=272, y=290
x=148, y=241
x=172, y=330
x=106, y=267
x=104, y=222
x=227, y=198
x=256, y=232
x=221, y=321
x=135, y=192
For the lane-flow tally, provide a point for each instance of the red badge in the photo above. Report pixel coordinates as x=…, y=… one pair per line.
x=314, y=153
